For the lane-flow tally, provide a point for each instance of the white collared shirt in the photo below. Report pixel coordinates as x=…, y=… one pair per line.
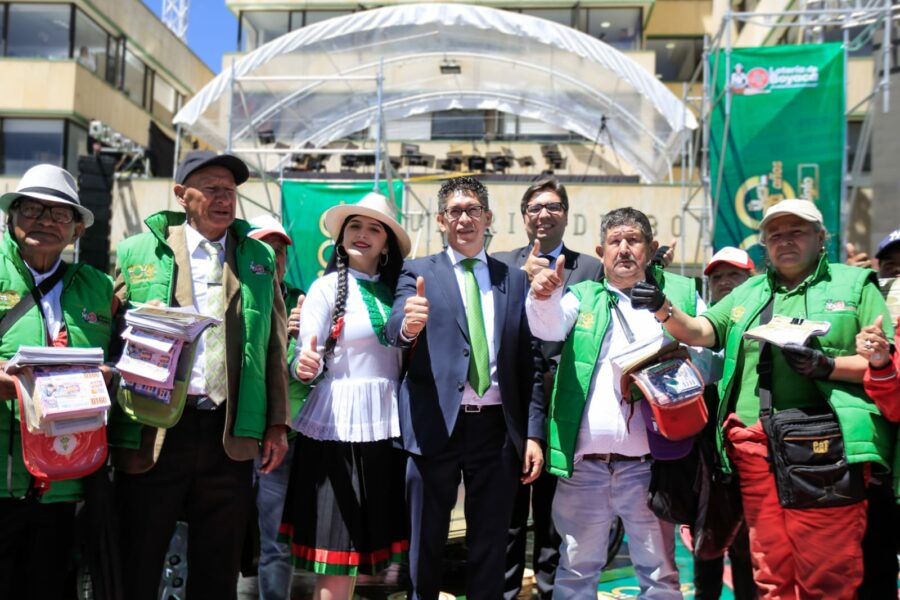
x=483, y=276
x=50, y=302
x=608, y=424
x=199, y=271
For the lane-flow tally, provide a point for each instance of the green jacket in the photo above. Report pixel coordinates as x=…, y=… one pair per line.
x=86, y=303
x=833, y=295
x=579, y=360
x=297, y=392
x=146, y=263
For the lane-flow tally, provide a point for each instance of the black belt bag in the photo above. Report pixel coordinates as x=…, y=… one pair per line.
x=806, y=448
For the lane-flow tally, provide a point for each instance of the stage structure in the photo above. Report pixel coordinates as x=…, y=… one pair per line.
x=701, y=188
x=313, y=91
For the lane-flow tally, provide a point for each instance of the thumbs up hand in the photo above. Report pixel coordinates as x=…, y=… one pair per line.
x=309, y=362
x=646, y=294
x=857, y=258
x=547, y=280
x=872, y=344
x=294, y=318
x=534, y=263
x=415, y=311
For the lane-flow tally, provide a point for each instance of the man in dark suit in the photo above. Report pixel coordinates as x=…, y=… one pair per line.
x=471, y=403
x=236, y=406
x=545, y=212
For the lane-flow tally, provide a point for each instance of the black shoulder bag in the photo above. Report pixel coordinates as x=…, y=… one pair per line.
x=806, y=448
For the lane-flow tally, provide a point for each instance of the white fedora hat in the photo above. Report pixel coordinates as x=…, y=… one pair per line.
x=50, y=184
x=373, y=205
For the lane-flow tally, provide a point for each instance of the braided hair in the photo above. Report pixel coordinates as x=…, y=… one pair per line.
x=339, y=263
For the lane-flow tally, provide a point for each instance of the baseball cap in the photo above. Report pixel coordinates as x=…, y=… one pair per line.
x=890, y=239
x=662, y=448
x=731, y=256
x=264, y=225
x=198, y=159
x=804, y=209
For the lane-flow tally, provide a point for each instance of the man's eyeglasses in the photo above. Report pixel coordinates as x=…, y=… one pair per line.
x=475, y=211
x=554, y=208
x=35, y=210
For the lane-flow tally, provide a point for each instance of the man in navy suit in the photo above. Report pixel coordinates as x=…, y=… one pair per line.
x=545, y=214
x=471, y=403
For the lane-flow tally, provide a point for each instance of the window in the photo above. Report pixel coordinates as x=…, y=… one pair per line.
x=563, y=16
x=27, y=142
x=114, y=48
x=619, y=27
x=2, y=28
x=457, y=125
x=133, y=77
x=857, y=46
x=91, y=44
x=261, y=26
x=676, y=58
x=39, y=30
x=76, y=145
x=164, y=100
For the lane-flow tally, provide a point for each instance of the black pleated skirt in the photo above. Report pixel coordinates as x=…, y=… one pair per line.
x=345, y=512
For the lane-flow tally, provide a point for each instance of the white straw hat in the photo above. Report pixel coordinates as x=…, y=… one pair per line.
x=373, y=205
x=50, y=184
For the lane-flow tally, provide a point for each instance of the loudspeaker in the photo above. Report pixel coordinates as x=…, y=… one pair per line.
x=95, y=183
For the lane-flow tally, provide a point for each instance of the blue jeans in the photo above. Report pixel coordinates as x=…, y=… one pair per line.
x=583, y=510
x=275, y=568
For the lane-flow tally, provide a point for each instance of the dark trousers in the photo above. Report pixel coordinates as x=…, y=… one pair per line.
x=480, y=451
x=545, y=556
x=193, y=480
x=880, y=542
x=708, y=573
x=35, y=549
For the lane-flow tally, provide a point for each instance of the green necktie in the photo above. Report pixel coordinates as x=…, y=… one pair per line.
x=214, y=337
x=479, y=362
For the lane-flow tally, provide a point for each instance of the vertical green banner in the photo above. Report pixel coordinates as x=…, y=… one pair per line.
x=784, y=138
x=303, y=205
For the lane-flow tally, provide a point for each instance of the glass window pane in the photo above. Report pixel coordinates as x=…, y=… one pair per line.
x=164, y=103
x=676, y=58
x=563, y=16
x=27, y=142
x=40, y=30
x=76, y=145
x=261, y=26
x=2, y=28
x=457, y=125
x=133, y=81
x=90, y=44
x=317, y=16
x=618, y=27
x=113, y=60
x=296, y=19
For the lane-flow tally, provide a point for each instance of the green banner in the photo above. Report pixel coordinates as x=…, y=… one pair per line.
x=303, y=206
x=785, y=137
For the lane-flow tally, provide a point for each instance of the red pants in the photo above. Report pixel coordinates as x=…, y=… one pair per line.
x=797, y=554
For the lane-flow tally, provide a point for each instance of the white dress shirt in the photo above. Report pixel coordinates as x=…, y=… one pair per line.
x=199, y=272
x=609, y=425
x=483, y=276
x=50, y=302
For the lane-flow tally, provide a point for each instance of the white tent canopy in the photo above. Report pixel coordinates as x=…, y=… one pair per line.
x=316, y=84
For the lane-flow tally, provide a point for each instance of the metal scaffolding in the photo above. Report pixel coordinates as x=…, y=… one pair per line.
x=701, y=189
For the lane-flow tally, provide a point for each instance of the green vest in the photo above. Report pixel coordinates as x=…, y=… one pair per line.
x=579, y=360
x=833, y=295
x=86, y=303
x=297, y=392
x=146, y=262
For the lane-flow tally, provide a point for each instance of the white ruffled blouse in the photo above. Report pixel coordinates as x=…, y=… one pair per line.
x=356, y=399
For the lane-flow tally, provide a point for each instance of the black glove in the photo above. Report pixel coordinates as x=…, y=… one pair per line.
x=659, y=257
x=807, y=361
x=646, y=294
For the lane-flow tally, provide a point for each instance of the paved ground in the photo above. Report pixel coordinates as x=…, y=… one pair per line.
x=618, y=580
